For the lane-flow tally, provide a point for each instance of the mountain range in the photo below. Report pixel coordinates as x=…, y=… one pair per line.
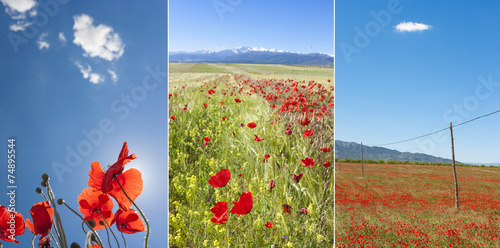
x=252, y=55
x=352, y=150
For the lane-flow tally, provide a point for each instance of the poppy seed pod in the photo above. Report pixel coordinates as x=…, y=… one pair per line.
x=45, y=177
x=75, y=245
x=91, y=223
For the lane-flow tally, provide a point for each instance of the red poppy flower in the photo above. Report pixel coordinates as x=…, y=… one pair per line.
x=326, y=163
x=222, y=103
x=308, y=133
x=287, y=208
x=206, y=139
x=220, y=179
x=303, y=211
x=257, y=138
x=42, y=219
x=269, y=224
x=5, y=227
x=128, y=221
x=131, y=180
x=252, y=125
x=288, y=131
x=92, y=203
x=240, y=175
x=205, y=105
x=243, y=205
x=305, y=121
x=297, y=177
x=172, y=117
x=325, y=149
x=308, y=162
x=237, y=100
x=272, y=184
x=184, y=109
x=224, y=118
x=220, y=213
x=266, y=157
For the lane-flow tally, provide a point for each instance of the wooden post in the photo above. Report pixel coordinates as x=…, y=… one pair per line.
x=454, y=169
x=362, y=166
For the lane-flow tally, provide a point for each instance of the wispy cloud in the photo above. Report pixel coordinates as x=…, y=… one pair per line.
x=411, y=27
x=41, y=42
x=62, y=38
x=113, y=75
x=18, y=11
x=97, y=41
x=87, y=73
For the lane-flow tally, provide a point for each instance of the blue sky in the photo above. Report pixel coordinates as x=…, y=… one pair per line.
x=295, y=26
x=72, y=68
x=394, y=85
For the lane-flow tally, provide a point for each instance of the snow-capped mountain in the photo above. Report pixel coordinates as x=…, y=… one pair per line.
x=252, y=55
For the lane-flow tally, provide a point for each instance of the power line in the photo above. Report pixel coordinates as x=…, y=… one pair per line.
x=447, y=128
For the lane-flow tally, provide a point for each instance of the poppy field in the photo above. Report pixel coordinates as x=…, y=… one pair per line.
x=397, y=205
x=250, y=156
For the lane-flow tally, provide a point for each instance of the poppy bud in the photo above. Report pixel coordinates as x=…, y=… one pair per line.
x=44, y=184
x=45, y=177
x=60, y=201
x=75, y=245
x=91, y=223
x=38, y=190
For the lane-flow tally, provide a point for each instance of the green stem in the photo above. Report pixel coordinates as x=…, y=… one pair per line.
x=124, y=241
x=92, y=229
x=107, y=225
x=55, y=241
x=59, y=230
x=138, y=209
x=33, y=241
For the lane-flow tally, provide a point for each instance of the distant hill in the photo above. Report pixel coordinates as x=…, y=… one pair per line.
x=352, y=150
x=252, y=55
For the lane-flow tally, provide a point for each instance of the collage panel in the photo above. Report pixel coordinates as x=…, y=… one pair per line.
x=417, y=161
x=83, y=123
x=251, y=123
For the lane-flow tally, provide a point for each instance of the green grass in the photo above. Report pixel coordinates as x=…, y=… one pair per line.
x=191, y=164
x=257, y=70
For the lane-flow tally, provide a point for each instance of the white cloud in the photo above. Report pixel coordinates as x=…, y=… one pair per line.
x=41, y=42
x=17, y=9
x=20, y=25
x=114, y=77
x=411, y=27
x=87, y=73
x=18, y=6
x=97, y=41
x=62, y=38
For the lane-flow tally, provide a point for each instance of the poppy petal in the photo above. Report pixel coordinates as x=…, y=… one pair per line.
x=243, y=205
x=220, y=179
x=220, y=213
x=131, y=181
x=96, y=176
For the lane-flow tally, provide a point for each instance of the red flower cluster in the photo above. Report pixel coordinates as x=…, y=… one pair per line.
x=241, y=207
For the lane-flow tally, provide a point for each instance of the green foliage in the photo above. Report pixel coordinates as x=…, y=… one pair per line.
x=191, y=164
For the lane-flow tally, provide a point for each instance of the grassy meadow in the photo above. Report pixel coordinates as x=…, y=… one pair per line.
x=265, y=124
x=399, y=205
